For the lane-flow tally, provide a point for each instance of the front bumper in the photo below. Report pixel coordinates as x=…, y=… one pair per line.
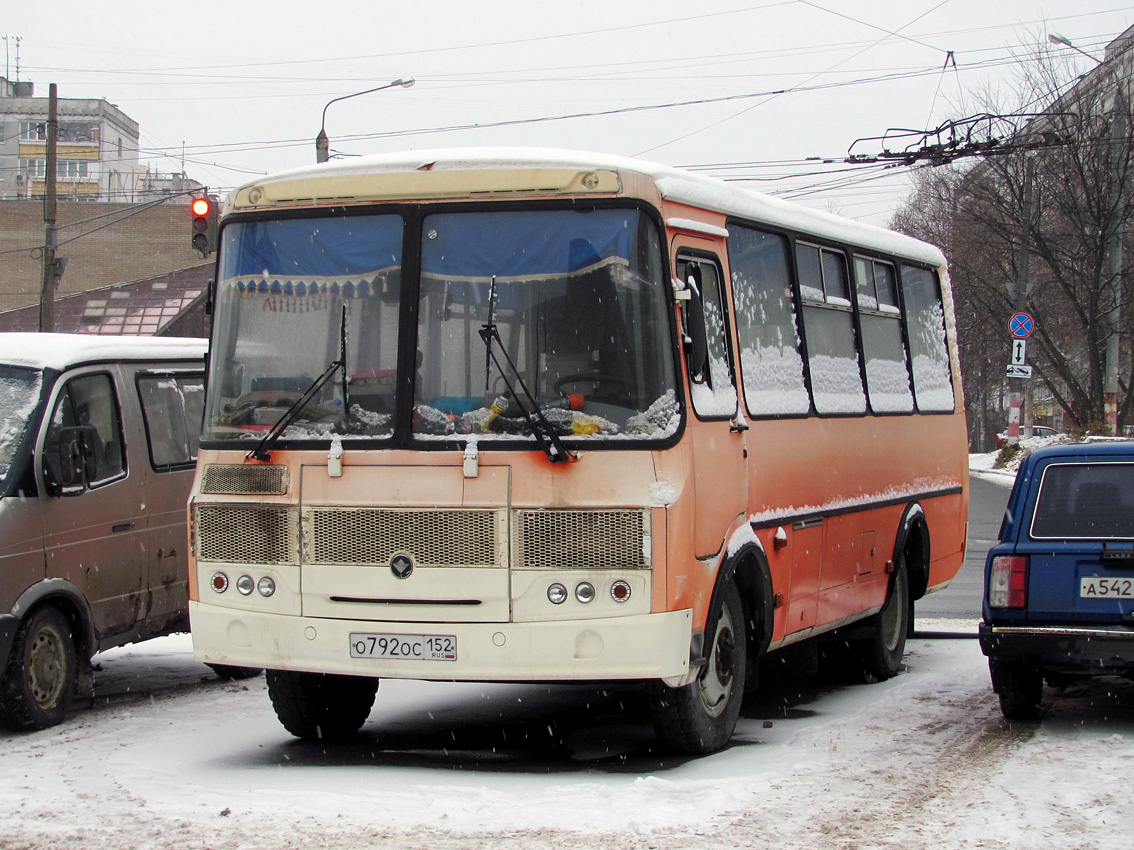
x=1067, y=648
x=646, y=646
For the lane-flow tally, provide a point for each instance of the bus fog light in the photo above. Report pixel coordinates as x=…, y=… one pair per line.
x=585, y=592
x=266, y=586
x=557, y=594
x=620, y=591
x=245, y=584
x=219, y=582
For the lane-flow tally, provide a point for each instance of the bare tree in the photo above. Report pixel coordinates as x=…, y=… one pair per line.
x=1059, y=194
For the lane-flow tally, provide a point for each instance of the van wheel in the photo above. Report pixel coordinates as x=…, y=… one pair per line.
x=321, y=706
x=233, y=673
x=40, y=676
x=1019, y=687
x=700, y=717
x=881, y=653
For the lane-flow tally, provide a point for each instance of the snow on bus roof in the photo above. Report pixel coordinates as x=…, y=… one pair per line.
x=675, y=184
x=61, y=351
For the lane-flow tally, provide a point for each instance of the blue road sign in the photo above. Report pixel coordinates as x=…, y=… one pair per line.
x=1021, y=325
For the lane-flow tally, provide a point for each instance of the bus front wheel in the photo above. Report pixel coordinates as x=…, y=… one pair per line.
x=700, y=717
x=321, y=706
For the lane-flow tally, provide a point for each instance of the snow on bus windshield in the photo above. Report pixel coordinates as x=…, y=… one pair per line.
x=576, y=300
x=292, y=295
x=579, y=309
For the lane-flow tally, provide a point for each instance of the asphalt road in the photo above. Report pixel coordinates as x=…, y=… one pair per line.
x=962, y=598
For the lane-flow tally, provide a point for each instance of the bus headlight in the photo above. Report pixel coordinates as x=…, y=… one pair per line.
x=219, y=582
x=585, y=592
x=266, y=586
x=620, y=591
x=557, y=594
x=246, y=584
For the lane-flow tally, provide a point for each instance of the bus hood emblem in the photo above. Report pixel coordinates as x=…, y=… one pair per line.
x=401, y=565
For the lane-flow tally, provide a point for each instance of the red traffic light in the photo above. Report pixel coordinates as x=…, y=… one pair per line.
x=204, y=229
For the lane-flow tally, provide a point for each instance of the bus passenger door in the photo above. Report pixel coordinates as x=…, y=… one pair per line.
x=717, y=433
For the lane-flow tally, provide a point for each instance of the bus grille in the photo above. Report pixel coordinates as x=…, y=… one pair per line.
x=247, y=534
x=225, y=480
x=581, y=540
x=437, y=538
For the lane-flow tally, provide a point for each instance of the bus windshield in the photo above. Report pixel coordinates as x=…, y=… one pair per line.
x=574, y=300
x=291, y=295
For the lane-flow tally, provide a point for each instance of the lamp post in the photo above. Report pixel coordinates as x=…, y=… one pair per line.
x=1114, y=239
x=322, y=143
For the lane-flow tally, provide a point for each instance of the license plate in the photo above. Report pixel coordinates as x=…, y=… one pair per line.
x=1097, y=587
x=408, y=647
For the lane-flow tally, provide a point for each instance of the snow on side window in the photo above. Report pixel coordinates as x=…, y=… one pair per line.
x=715, y=396
x=770, y=361
x=925, y=327
x=887, y=376
x=832, y=355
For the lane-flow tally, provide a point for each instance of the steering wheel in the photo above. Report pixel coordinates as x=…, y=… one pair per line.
x=596, y=378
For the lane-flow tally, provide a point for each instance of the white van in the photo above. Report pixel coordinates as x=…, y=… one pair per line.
x=98, y=439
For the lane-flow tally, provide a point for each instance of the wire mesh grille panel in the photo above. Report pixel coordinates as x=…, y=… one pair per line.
x=454, y=538
x=225, y=480
x=581, y=540
x=249, y=534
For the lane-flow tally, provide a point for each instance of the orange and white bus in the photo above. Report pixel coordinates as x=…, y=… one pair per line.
x=536, y=415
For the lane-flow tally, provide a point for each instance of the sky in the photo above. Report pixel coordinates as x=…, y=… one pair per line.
x=773, y=94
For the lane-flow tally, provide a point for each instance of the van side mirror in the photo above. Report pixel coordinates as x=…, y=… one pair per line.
x=78, y=465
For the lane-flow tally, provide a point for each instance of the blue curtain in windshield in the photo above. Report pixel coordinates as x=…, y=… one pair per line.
x=524, y=244
x=317, y=247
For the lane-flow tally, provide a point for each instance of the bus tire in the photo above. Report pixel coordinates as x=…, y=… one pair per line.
x=882, y=652
x=230, y=672
x=321, y=706
x=40, y=676
x=700, y=717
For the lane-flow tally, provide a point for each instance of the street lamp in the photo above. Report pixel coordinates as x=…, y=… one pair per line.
x=1114, y=240
x=322, y=143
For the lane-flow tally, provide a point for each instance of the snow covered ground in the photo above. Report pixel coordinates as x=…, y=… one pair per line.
x=170, y=757
x=923, y=760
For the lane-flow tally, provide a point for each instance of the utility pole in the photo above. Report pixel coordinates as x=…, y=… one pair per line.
x=1115, y=153
x=47, y=292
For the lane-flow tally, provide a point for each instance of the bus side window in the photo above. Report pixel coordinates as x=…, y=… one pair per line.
x=711, y=380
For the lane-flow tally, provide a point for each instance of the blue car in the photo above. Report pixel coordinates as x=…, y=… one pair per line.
x=1059, y=585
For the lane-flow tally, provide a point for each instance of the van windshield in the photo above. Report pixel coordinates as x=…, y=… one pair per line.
x=19, y=397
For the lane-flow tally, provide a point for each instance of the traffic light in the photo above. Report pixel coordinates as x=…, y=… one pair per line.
x=204, y=232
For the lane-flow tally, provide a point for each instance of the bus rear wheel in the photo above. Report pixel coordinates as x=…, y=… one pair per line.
x=881, y=654
x=321, y=706
x=40, y=676
x=700, y=717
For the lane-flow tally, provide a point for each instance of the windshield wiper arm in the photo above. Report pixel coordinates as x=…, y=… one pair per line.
x=261, y=452
x=542, y=430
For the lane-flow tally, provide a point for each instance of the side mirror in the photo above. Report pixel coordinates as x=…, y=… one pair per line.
x=696, y=337
x=77, y=461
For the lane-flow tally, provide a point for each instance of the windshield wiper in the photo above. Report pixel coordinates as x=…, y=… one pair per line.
x=262, y=450
x=542, y=430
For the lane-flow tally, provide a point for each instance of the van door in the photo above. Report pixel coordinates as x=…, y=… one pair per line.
x=172, y=403
x=717, y=434
x=93, y=510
